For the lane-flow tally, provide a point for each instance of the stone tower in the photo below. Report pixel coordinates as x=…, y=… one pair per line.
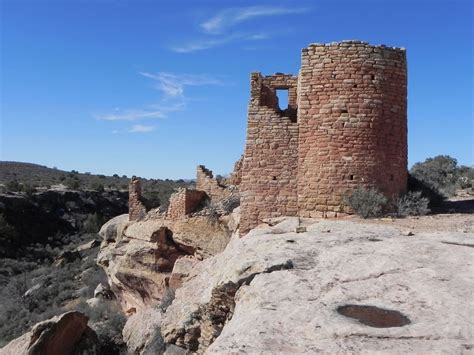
x=345, y=126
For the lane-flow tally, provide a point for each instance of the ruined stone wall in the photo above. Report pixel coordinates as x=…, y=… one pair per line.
x=183, y=202
x=236, y=176
x=345, y=126
x=269, y=171
x=352, y=123
x=136, y=208
x=205, y=181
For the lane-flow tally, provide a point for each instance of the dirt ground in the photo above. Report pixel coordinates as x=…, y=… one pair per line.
x=455, y=215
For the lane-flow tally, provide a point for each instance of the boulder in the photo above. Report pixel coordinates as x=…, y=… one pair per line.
x=362, y=288
x=94, y=243
x=183, y=267
x=64, y=334
x=66, y=257
x=104, y=292
x=142, y=334
x=139, y=257
x=113, y=229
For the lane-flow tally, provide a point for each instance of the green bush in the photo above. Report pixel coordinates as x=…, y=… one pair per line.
x=92, y=223
x=97, y=186
x=72, y=183
x=412, y=204
x=439, y=174
x=434, y=196
x=13, y=186
x=7, y=233
x=366, y=203
x=28, y=189
x=466, y=176
x=108, y=323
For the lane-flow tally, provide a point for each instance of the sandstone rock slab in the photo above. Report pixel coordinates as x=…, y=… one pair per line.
x=142, y=332
x=278, y=291
x=64, y=334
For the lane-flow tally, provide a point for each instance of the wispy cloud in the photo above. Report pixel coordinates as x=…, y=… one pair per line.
x=219, y=29
x=130, y=115
x=231, y=17
x=138, y=128
x=173, y=85
x=206, y=43
x=201, y=44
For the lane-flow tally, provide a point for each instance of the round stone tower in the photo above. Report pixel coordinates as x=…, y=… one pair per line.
x=352, y=121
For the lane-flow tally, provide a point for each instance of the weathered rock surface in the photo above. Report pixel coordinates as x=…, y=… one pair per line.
x=142, y=333
x=138, y=257
x=64, y=334
x=277, y=291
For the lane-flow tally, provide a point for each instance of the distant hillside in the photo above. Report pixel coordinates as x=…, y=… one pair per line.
x=17, y=176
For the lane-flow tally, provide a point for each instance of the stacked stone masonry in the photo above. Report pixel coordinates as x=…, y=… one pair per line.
x=236, y=176
x=136, y=207
x=205, y=181
x=345, y=126
x=183, y=202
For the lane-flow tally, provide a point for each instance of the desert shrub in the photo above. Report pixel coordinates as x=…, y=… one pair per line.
x=439, y=173
x=213, y=214
x=466, y=176
x=152, y=199
x=13, y=186
x=366, y=203
x=168, y=298
x=58, y=286
x=72, y=183
x=7, y=233
x=28, y=189
x=230, y=203
x=92, y=223
x=108, y=323
x=412, y=204
x=97, y=186
x=434, y=196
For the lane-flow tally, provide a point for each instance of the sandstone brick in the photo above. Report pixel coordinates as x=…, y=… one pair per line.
x=346, y=126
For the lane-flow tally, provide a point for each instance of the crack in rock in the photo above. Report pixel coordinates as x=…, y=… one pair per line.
x=209, y=320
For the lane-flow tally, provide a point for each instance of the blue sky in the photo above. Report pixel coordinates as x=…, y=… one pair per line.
x=153, y=88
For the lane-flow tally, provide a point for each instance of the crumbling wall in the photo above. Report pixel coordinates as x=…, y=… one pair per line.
x=183, y=202
x=205, y=181
x=136, y=208
x=352, y=103
x=269, y=171
x=236, y=176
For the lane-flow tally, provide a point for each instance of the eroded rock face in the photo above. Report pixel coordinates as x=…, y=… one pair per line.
x=138, y=257
x=278, y=291
x=142, y=333
x=64, y=334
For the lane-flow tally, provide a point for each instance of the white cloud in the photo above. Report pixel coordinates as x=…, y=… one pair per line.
x=130, y=115
x=202, y=44
x=232, y=17
x=173, y=85
x=218, y=27
x=173, y=99
x=138, y=128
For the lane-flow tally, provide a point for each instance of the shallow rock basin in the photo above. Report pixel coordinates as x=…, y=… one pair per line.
x=374, y=316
